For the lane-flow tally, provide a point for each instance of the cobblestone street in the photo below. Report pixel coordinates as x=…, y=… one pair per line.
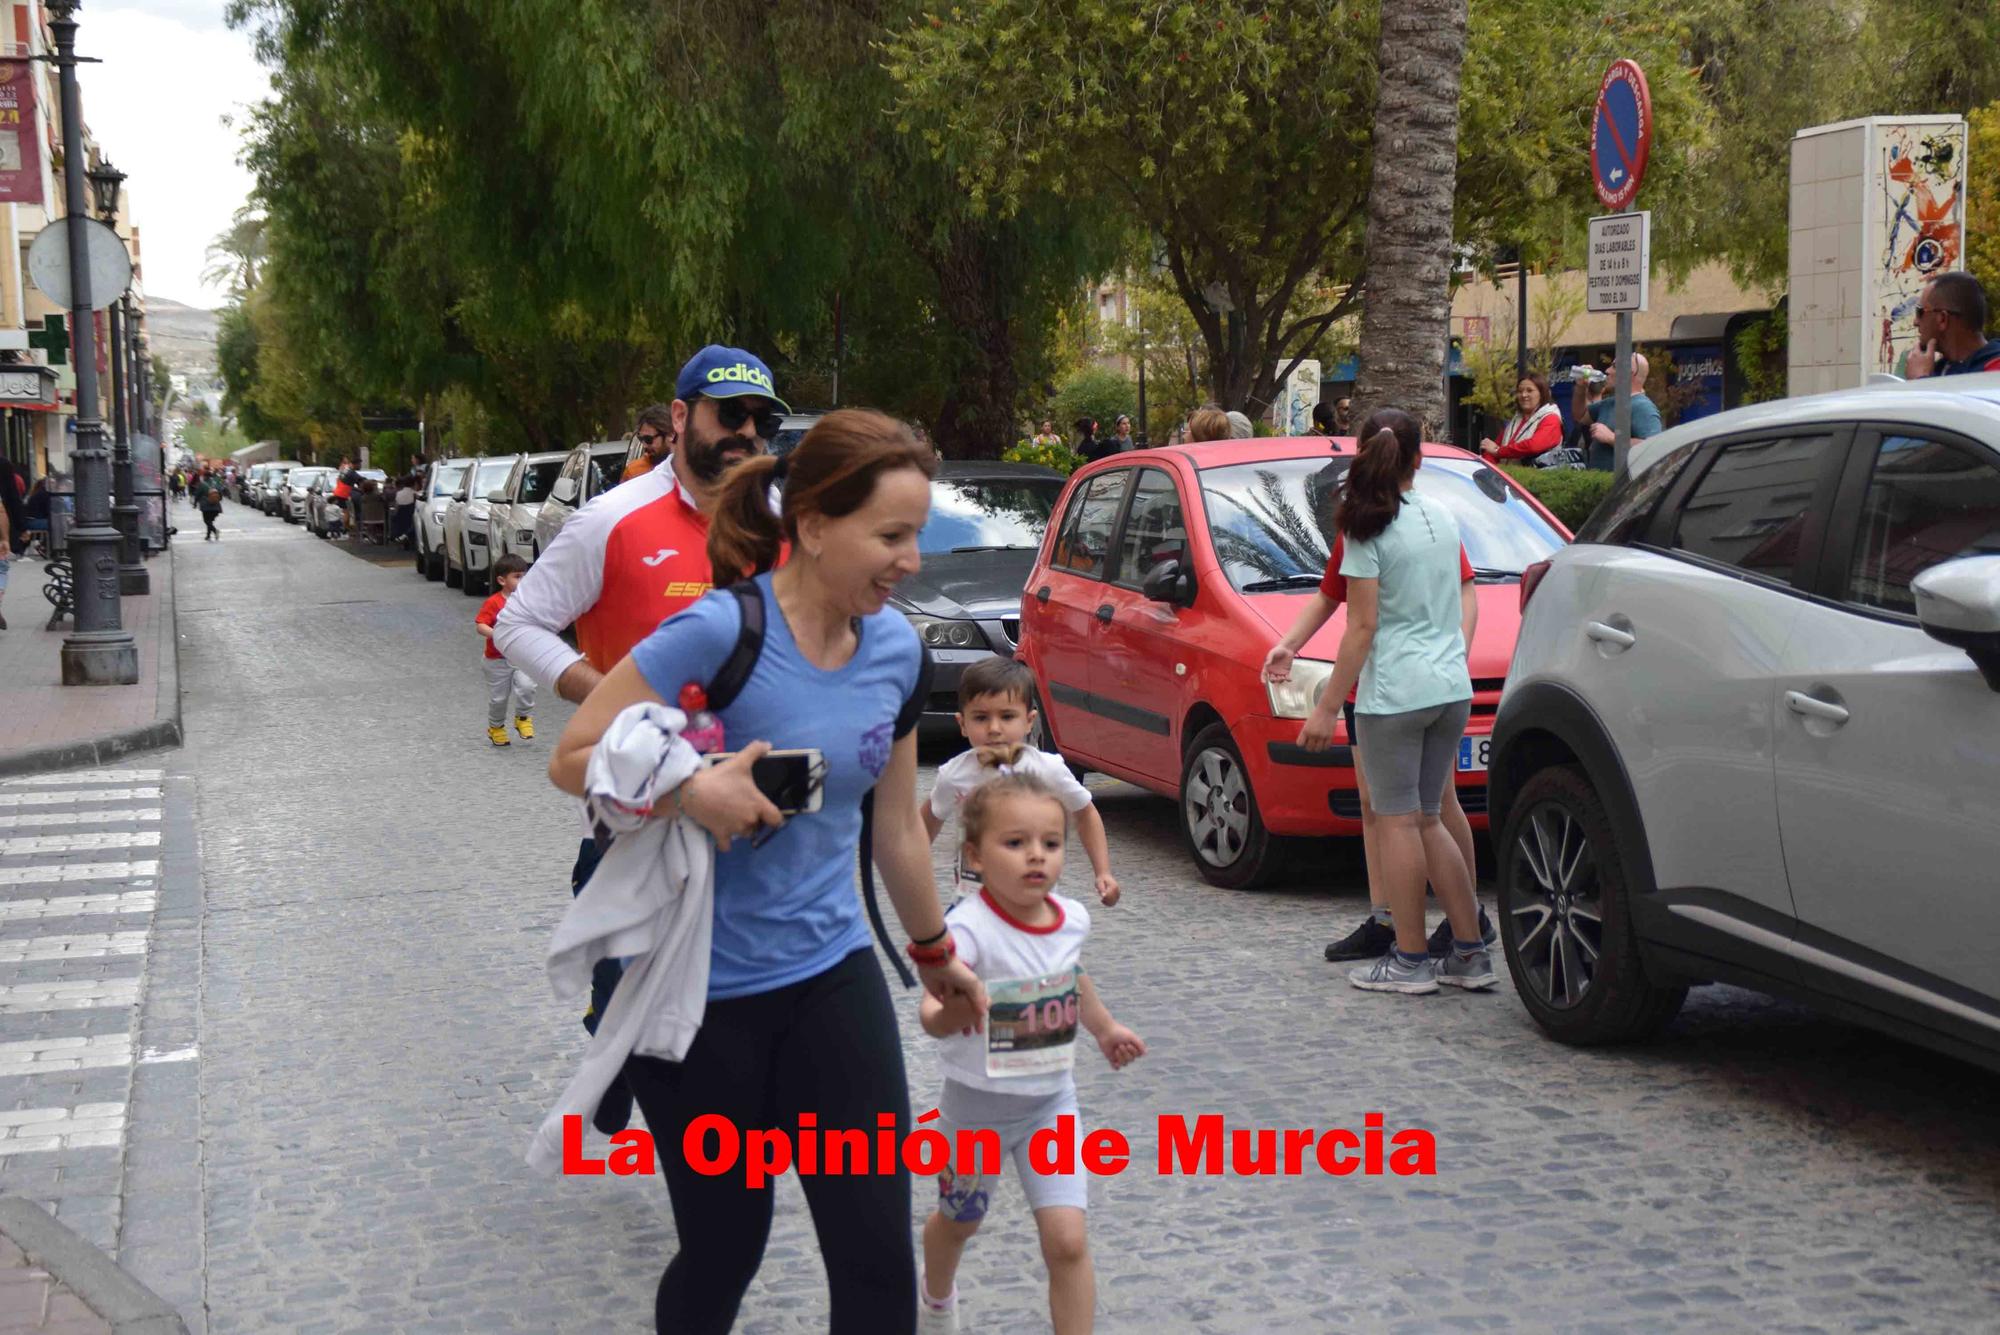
x=377, y=1040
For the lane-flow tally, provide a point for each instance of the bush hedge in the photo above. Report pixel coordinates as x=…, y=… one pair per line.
x=1058, y=457
x=1569, y=493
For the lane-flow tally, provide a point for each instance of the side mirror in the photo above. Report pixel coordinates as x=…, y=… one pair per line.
x=564, y=490
x=1168, y=583
x=497, y=496
x=1958, y=603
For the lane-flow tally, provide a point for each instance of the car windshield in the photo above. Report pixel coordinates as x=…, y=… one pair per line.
x=1272, y=523
x=539, y=478
x=981, y=514
x=445, y=481
x=491, y=473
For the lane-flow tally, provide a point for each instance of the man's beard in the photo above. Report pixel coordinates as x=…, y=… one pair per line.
x=704, y=458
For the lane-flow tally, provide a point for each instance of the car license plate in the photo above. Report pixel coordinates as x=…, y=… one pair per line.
x=1473, y=753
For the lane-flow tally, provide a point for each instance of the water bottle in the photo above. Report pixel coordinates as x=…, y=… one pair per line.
x=704, y=730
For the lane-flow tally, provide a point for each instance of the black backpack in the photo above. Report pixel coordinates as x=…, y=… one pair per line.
x=729, y=681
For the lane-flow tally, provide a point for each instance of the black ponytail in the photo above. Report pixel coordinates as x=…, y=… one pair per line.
x=1391, y=443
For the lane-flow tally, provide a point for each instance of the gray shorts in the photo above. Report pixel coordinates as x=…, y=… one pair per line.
x=964, y=1198
x=1408, y=758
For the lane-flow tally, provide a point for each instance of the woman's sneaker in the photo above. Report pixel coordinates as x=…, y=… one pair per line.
x=1440, y=943
x=1470, y=972
x=1373, y=937
x=1393, y=973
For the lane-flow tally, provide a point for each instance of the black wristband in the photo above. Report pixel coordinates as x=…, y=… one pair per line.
x=931, y=940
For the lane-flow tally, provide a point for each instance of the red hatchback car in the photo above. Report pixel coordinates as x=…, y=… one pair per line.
x=1167, y=575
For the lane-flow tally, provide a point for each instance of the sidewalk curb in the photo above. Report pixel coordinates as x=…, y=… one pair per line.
x=163, y=731
x=127, y=1305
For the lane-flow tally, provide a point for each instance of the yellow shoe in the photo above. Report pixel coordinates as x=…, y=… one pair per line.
x=497, y=736
x=525, y=726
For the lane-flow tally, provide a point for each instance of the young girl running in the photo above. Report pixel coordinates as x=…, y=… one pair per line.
x=1017, y=1078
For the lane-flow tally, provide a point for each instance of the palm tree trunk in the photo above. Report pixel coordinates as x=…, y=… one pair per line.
x=1406, y=306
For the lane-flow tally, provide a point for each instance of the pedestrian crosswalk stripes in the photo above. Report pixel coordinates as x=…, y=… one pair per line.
x=42, y=1056
x=70, y=906
x=52, y=820
x=85, y=776
x=40, y=1130
x=81, y=995
x=88, y=841
x=78, y=796
x=15, y=950
x=78, y=871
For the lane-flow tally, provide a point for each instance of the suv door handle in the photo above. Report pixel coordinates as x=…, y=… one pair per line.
x=1611, y=635
x=1042, y=594
x=1104, y=613
x=1801, y=703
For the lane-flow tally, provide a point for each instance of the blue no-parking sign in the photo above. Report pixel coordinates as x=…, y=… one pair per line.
x=1621, y=134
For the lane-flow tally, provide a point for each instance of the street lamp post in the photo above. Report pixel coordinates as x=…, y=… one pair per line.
x=132, y=577
x=100, y=651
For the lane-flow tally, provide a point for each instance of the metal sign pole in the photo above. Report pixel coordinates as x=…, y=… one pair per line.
x=1622, y=381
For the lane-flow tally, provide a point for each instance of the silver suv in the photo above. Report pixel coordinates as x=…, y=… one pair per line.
x=1752, y=729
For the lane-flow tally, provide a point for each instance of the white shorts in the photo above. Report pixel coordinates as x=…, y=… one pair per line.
x=964, y=1198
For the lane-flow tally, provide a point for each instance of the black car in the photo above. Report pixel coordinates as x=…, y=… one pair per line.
x=986, y=523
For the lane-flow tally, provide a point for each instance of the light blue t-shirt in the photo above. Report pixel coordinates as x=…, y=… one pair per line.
x=790, y=910
x=1418, y=659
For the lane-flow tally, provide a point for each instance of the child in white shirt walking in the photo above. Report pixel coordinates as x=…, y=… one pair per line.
x=996, y=713
x=1017, y=1076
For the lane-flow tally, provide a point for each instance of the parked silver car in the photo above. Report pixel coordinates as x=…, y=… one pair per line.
x=587, y=473
x=518, y=500
x=1752, y=729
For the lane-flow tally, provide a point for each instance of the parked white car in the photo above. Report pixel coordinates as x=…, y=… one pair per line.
x=587, y=473
x=293, y=506
x=468, y=552
x=1752, y=729
x=271, y=488
x=518, y=500
x=439, y=484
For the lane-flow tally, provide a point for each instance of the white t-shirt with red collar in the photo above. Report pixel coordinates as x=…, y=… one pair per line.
x=1031, y=973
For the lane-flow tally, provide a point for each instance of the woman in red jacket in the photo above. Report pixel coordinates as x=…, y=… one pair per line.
x=1535, y=429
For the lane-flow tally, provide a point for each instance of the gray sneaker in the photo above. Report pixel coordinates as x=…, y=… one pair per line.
x=1390, y=973
x=1471, y=972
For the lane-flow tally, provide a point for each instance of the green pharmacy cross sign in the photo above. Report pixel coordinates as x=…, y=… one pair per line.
x=53, y=338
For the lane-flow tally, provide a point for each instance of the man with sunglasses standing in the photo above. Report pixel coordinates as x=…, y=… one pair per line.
x=631, y=558
x=655, y=434
x=1951, y=329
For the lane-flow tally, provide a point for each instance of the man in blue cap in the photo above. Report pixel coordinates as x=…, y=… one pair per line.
x=630, y=559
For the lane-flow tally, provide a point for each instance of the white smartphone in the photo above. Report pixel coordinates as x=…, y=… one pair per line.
x=795, y=781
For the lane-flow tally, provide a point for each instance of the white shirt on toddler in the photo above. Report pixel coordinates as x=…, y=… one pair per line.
x=957, y=777
x=1029, y=1044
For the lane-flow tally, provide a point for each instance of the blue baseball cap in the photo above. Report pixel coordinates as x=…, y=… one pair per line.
x=727, y=373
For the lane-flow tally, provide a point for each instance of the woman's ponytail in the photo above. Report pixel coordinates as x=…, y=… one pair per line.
x=1391, y=443
x=744, y=534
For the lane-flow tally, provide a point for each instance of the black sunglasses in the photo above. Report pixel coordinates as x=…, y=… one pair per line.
x=647, y=439
x=734, y=412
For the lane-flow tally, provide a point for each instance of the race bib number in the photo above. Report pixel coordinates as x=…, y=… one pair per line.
x=1031, y=1024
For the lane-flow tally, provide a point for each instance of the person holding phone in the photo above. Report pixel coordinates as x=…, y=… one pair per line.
x=799, y=1019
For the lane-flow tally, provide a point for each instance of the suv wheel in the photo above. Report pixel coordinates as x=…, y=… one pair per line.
x=1565, y=917
x=1219, y=817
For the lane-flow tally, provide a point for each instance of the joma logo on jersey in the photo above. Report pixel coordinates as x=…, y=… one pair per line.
x=688, y=588
x=742, y=373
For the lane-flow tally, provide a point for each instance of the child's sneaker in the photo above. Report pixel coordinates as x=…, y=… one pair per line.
x=1471, y=972
x=497, y=736
x=525, y=726
x=1393, y=973
x=933, y=1317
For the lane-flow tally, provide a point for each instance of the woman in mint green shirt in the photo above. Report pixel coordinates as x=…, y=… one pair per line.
x=1409, y=620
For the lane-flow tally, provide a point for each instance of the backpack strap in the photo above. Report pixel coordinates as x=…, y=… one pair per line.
x=906, y=718
x=735, y=671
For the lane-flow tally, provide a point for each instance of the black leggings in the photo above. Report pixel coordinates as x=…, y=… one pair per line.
x=830, y=1046
x=209, y=517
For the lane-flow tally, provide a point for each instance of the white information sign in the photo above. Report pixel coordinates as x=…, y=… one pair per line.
x=1621, y=248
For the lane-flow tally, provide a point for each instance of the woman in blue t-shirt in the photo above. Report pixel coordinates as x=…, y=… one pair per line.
x=799, y=1019
x=1408, y=623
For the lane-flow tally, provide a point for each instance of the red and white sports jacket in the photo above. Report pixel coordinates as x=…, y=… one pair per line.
x=624, y=563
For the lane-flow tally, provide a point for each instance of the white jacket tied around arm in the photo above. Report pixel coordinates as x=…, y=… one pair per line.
x=651, y=901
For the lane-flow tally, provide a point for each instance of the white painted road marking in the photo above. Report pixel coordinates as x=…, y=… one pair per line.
x=38, y=1056
x=69, y=906
x=78, y=871
x=50, y=820
x=39, y=1130
x=86, y=776
x=79, y=795
x=94, y=994
x=80, y=946
x=85, y=841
